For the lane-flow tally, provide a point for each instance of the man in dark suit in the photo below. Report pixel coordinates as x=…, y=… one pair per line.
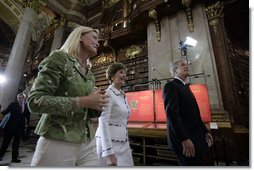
x=19, y=119
x=187, y=135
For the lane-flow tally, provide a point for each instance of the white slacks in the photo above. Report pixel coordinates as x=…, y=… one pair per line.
x=122, y=151
x=55, y=153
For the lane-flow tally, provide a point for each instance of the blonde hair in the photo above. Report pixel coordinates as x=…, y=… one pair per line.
x=72, y=43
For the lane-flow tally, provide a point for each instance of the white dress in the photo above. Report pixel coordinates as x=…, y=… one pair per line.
x=112, y=133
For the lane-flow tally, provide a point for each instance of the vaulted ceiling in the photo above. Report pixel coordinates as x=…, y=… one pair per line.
x=11, y=12
x=88, y=12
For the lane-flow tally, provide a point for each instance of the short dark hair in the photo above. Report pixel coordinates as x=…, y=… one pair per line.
x=113, y=68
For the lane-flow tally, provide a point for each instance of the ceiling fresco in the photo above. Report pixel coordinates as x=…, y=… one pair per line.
x=236, y=16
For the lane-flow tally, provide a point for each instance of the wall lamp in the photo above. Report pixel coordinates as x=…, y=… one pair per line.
x=2, y=79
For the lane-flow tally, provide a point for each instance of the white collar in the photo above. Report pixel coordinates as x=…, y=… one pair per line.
x=184, y=83
x=115, y=90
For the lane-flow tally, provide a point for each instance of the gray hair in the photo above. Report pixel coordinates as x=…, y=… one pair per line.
x=21, y=94
x=173, y=66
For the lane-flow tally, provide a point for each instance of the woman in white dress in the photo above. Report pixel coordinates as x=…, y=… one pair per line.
x=112, y=139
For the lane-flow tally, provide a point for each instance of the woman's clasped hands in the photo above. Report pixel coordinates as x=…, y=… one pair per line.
x=96, y=100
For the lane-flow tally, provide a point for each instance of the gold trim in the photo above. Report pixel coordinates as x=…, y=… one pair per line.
x=153, y=14
x=240, y=129
x=109, y=3
x=134, y=105
x=214, y=12
x=224, y=124
x=103, y=59
x=58, y=22
x=187, y=4
x=133, y=51
x=148, y=132
x=35, y=5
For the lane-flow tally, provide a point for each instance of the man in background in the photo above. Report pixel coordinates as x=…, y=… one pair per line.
x=14, y=128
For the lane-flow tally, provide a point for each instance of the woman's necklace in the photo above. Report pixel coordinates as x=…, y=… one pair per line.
x=84, y=68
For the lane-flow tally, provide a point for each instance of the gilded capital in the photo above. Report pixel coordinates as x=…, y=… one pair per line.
x=35, y=5
x=58, y=22
x=109, y=3
x=186, y=3
x=213, y=13
x=153, y=14
x=215, y=10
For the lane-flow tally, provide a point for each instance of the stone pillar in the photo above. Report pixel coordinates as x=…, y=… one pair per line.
x=218, y=38
x=59, y=26
x=14, y=68
x=162, y=53
x=125, y=13
x=58, y=37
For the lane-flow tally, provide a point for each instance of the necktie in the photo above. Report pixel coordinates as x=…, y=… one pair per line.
x=188, y=88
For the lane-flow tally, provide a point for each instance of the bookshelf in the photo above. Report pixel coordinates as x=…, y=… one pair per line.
x=137, y=73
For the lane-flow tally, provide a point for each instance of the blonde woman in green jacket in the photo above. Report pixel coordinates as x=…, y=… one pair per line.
x=64, y=93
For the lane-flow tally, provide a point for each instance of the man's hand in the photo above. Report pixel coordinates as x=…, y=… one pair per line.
x=188, y=148
x=209, y=139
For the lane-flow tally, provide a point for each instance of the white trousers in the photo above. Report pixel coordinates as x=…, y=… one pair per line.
x=51, y=152
x=122, y=151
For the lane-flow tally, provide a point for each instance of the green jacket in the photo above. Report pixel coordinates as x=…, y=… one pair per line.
x=59, y=81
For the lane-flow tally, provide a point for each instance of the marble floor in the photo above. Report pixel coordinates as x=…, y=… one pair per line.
x=26, y=151
x=27, y=148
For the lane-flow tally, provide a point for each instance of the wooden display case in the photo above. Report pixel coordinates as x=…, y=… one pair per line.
x=148, y=142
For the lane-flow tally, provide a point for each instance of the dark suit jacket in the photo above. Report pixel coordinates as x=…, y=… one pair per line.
x=17, y=119
x=183, y=117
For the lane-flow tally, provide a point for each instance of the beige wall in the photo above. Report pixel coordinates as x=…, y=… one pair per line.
x=161, y=54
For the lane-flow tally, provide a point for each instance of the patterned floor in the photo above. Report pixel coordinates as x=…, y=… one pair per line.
x=26, y=151
x=27, y=148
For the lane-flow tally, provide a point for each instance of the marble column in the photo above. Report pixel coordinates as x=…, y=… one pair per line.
x=14, y=68
x=58, y=37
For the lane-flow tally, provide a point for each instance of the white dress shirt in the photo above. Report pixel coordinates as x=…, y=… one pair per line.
x=184, y=82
